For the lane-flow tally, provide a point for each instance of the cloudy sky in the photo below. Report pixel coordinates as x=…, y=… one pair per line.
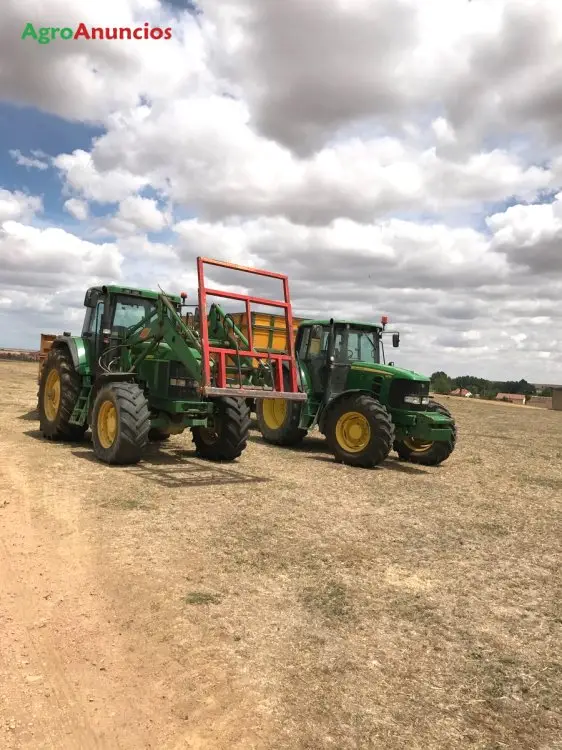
x=393, y=156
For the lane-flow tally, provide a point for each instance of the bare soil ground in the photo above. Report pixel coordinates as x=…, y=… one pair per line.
x=282, y=601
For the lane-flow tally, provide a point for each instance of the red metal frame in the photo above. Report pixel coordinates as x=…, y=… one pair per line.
x=278, y=359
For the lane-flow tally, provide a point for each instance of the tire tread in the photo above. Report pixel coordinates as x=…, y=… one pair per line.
x=382, y=429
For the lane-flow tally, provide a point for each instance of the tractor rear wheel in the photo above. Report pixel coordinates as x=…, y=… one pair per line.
x=359, y=431
x=428, y=453
x=228, y=437
x=59, y=389
x=120, y=424
x=278, y=419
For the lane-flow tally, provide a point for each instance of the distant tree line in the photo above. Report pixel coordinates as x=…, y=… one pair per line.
x=20, y=356
x=442, y=383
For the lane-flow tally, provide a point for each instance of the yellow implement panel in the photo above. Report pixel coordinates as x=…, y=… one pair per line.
x=46, y=343
x=269, y=331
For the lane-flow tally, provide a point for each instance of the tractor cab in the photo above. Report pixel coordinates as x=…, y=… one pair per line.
x=113, y=312
x=329, y=349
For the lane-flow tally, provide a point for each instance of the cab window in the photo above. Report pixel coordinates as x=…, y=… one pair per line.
x=129, y=311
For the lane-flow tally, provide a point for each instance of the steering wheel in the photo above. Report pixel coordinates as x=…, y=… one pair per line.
x=350, y=353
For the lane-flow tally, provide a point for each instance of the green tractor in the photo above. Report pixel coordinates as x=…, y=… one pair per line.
x=363, y=407
x=140, y=372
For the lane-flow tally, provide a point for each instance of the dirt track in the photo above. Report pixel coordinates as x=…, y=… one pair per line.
x=282, y=601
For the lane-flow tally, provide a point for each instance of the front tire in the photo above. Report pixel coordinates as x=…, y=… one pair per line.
x=120, y=424
x=359, y=431
x=429, y=453
x=228, y=437
x=59, y=389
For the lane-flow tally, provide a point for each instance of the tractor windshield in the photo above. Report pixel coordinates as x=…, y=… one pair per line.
x=357, y=345
x=130, y=311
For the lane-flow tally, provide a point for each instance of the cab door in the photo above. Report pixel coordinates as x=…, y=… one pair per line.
x=316, y=356
x=92, y=331
x=343, y=356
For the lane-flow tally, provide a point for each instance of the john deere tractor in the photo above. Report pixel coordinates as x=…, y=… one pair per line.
x=364, y=408
x=140, y=372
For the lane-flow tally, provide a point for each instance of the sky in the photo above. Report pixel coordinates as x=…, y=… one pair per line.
x=392, y=157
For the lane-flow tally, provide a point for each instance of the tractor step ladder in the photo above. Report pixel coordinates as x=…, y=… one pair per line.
x=79, y=412
x=277, y=359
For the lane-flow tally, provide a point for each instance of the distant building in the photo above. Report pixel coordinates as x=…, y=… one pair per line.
x=543, y=401
x=461, y=392
x=514, y=398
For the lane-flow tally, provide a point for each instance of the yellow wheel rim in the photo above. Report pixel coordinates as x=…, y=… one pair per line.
x=107, y=424
x=417, y=446
x=52, y=395
x=274, y=412
x=353, y=432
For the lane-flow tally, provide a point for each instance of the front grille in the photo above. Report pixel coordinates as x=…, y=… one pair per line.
x=400, y=388
x=178, y=372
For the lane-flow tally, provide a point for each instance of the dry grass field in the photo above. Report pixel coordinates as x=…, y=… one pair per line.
x=281, y=602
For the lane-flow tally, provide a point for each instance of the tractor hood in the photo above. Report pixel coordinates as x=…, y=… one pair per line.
x=388, y=371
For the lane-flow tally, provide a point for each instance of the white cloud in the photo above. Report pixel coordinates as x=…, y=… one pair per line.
x=77, y=208
x=367, y=149
x=100, y=76
x=205, y=154
x=47, y=259
x=82, y=177
x=18, y=205
x=531, y=236
x=30, y=162
x=142, y=214
x=483, y=63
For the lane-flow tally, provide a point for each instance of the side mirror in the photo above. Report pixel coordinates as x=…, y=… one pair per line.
x=396, y=340
x=90, y=299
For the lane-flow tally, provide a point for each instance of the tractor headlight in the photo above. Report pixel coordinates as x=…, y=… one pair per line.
x=416, y=400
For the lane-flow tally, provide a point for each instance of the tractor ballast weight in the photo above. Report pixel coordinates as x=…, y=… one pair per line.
x=140, y=372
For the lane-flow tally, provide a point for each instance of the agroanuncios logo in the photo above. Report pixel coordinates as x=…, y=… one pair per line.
x=47, y=34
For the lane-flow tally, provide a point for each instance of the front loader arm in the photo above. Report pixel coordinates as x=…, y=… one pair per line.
x=222, y=326
x=165, y=325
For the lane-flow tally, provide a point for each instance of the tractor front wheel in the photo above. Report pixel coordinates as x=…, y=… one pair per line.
x=228, y=436
x=359, y=431
x=428, y=453
x=59, y=388
x=120, y=424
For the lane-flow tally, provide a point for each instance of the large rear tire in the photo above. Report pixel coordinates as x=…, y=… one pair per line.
x=227, y=438
x=428, y=453
x=359, y=431
x=120, y=424
x=59, y=389
x=278, y=419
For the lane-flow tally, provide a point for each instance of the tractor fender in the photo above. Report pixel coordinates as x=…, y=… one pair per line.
x=77, y=350
x=335, y=400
